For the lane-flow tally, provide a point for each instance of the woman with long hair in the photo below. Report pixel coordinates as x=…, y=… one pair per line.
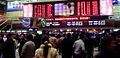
x=46, y=51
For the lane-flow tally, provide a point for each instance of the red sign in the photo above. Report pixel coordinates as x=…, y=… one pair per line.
x=43, y=10
x=87, y=8
x=67, y=19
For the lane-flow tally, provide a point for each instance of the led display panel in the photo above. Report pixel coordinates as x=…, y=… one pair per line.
x=28, y=10
x=72, y=8
x=106, y=7
x=43, y=10
x=87, y=8
x=64, y=9
x=15, y=6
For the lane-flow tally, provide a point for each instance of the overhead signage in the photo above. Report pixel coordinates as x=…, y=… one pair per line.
x=71, y=8
x=15, y=6
x=26, y=22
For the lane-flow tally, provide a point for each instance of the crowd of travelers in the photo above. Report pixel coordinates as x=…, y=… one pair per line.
x=70, y=45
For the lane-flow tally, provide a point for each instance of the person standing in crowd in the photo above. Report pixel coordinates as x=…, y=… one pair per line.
x=22, y=42
x=37, y=40
x=1, y=46
x=9, y=51
x=44, y=38
x=89, y=41
x=46, y=51
x=67, y=44
x=79, y=48
x=53, y=40
x=60, y=42
x=111, y=47
x=28, y=49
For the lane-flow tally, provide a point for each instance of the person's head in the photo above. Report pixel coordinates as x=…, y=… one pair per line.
x=29, y=37
x=68, y=35
x=9, y=37
x=22, y=36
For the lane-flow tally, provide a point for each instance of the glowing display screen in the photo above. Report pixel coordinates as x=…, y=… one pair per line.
x=43, y=10
x=88, y=8
x=71, y=8
x=28, y=10
x=48, y=24
x=102, y=22
x=64, y=9
x=75, y=23
x=106, y=7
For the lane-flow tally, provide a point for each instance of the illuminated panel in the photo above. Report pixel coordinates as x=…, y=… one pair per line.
x=49, y=24
x=35, y=10
x=60, y=19
x=95, y=7
x=88, y=8
x=75, y=23
x=43, y=10
x=67, y=19
x=39, y=11
x=84, y=18
x=64, y=9
x=78, y=8
x=101, y=22
x=49, y=10
x=49, y=19
x=28, y=8
x=106, y=7
x=83, y=8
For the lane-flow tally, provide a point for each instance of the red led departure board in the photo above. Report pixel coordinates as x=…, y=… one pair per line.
x=87, y=8
x=43, y=10
x=55, y=9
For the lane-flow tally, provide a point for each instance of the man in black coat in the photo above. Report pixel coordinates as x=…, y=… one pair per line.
x=9, y=47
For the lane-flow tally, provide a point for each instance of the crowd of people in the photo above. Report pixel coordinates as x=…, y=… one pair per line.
x=70, y=45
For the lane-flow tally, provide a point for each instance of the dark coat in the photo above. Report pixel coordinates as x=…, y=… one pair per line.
x=1, y=46
x=28, y=50
x=9, y=49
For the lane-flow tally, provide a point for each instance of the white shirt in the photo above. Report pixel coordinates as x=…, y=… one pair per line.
x=78, y=46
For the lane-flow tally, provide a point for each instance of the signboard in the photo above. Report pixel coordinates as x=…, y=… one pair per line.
x=26, y=22
x=71, y=8
x=15, y=6
x=80, y=23
x=15, y=14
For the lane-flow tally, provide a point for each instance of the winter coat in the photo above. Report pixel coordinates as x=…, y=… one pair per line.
x=52, y=52
x=28, y=50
